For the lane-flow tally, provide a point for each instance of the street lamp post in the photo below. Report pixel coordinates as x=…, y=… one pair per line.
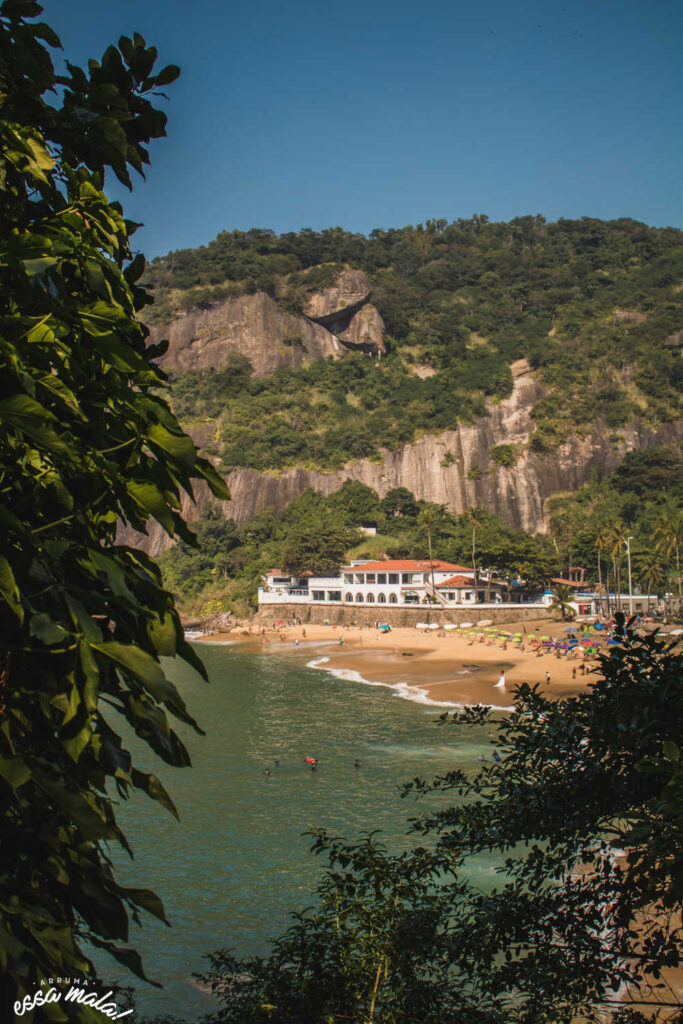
x=627, y=542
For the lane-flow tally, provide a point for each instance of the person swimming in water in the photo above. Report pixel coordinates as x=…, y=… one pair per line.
x=356, y=763
x=267, y=771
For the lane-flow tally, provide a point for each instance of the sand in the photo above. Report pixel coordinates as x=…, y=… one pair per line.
x=450, y=669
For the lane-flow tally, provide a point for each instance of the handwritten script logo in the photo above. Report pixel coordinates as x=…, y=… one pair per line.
x=76, y=993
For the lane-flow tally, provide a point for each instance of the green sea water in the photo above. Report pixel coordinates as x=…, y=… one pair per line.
x=237, y=863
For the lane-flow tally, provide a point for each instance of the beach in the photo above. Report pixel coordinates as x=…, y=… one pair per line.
x=431, y=666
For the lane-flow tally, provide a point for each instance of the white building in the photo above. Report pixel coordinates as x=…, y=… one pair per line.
x=403, y=583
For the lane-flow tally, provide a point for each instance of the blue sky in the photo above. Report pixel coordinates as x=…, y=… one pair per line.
x=380, y=114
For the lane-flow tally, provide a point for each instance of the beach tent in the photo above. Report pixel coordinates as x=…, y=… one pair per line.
x=485, y=622
x=466, y=625
x=450, y=625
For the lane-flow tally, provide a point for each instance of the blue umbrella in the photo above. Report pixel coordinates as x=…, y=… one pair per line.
x=571, y=629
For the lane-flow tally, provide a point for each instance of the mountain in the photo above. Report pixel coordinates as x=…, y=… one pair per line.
x=473, y=363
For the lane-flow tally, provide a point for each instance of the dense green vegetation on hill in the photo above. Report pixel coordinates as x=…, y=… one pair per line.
x=643, y=500
x=589, y=303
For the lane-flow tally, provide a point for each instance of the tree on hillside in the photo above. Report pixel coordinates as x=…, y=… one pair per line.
x=568, y=929
x=319, y=548
x=399, y=501
x=356, y=501
x=86, y=440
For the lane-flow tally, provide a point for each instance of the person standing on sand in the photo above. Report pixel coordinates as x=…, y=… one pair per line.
x=547, y=676
x=500, y=685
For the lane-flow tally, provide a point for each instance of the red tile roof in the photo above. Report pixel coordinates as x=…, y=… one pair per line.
x=458, y=581
x=406, y=565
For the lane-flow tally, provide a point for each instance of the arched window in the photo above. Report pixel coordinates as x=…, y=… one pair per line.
x=348, y=597
x=393, y=599
x=359, y=598
x=381, y=599
x=370, y=599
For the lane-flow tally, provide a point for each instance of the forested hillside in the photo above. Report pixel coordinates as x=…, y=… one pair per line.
x=593, y=306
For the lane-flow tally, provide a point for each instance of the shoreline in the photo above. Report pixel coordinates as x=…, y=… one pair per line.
x=447, y=670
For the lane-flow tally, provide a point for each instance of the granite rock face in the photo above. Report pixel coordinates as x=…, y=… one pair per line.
x=271, y=338
x=365, y=332
x=253, y=326
x=334, y=306
x=440, y=468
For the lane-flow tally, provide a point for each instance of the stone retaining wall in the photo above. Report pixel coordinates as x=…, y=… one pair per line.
x=359, y=615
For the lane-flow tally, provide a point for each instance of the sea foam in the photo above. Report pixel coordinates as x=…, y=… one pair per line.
x=416, y=694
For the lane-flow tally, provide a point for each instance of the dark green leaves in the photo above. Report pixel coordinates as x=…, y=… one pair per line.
x=87, y=442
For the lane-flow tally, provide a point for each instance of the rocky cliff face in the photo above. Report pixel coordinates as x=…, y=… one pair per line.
x=272, y=339
x=253, y=326
x=444, y=469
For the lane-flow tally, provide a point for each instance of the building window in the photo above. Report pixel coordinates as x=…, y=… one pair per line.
x=393, y=599
x=334, y=595
x=318, y=595
x=370, y=599
x=348, y=597
x=369, y=577
x=393, y=577
x=359, y=598
x=406, y=577
x=468, y=595
x=381, y=577
x=381, y=599
x=360, y=578
x=481, y=596
x=348, y=578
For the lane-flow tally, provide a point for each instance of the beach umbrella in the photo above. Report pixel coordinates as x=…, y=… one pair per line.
x=545, y=638
x=612, y=643
x=599, y=625
x=676, y=632
x=326, y=622
x=571, y=629
x=531, y=636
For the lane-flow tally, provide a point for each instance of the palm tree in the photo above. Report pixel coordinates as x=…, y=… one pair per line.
x=668, y=539
x=428, y=518
x=608, y=540
x=650, y=573
x=476, y=519
x=562, y=602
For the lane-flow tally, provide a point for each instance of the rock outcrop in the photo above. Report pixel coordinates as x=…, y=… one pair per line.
x=253, y=326
x=453, y=468
x=272, y=339
x=333, y=307
x=365, y=332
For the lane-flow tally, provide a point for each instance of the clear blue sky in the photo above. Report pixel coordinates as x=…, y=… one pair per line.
x=380, y=114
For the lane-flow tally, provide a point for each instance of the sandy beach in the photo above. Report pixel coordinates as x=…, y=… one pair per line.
x=431, y=666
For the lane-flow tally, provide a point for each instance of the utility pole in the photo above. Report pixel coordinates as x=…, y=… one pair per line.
x=627, y=542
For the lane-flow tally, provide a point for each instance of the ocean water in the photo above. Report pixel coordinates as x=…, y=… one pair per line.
x=238, y=863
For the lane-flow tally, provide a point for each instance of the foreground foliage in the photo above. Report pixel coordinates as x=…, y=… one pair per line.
x=584, y=810
x=85, y=440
